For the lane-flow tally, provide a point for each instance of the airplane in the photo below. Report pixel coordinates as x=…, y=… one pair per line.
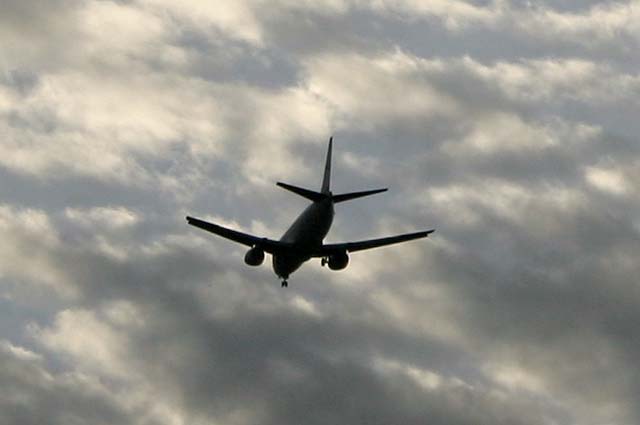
x=303, y=240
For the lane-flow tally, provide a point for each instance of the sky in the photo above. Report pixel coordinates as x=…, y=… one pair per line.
x=508, y=126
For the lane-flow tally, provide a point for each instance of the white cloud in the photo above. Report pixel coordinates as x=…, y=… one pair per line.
x=279, y=119
x=502, y=132
x=426, y=379
x=236, y=19
x=365, y=165
x=536, y=80
x=124, y=314
x=98, y=217
x=607, y=180
x=497, y=132
x=305, y=306
x=82, y=124
x=7, y=99
x=115, y=29
x=509, y=201
x=514, y=378
x=20, y=352
x=57, y=397
x=28, y=237
x=368, y=92
x=455, y=14
x=30, y=221
x=602, y=23
x=327, y=7
x=92, y=343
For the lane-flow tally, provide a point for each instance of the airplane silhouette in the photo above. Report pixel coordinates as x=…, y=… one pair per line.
x=303, y=240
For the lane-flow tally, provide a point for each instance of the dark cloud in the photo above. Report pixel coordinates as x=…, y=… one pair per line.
x=32, y=395
x=509, y=128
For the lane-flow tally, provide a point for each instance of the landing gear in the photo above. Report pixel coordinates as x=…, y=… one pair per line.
x=285, y=284
x=324, y=261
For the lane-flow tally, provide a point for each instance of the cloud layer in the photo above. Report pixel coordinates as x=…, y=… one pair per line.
x=510, y=127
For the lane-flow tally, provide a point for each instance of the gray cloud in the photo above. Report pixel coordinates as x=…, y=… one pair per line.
x=32, y=395
x=509, y=128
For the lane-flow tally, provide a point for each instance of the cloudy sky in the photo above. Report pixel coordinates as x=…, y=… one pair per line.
x=509, y=126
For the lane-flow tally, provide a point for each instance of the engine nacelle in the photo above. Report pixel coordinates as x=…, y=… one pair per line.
x=254, y=257
x=338, y=261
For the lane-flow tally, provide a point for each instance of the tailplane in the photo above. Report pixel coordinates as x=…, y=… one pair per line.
x=353, y=195
x=305, y=193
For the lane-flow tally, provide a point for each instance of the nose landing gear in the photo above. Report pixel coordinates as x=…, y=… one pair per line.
x=285, y=284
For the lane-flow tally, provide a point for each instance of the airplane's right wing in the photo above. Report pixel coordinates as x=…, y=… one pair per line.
x=371, y=243
x=269, y=245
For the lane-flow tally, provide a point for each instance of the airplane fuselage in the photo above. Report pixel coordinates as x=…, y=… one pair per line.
x=306, y=235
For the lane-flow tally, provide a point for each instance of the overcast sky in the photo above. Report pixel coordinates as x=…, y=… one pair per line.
x=509, y=126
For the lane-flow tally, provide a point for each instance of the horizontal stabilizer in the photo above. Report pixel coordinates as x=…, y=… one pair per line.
x=306, y=193
x=353, y=195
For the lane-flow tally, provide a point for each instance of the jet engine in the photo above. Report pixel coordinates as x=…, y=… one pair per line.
x=254, y=257
x=338, y=261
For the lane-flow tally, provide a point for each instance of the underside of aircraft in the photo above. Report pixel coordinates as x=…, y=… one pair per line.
x=303, y=240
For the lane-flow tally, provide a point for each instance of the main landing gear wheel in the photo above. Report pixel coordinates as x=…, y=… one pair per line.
x=285, y=284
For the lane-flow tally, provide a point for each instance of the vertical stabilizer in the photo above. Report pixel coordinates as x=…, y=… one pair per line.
x=326, y=180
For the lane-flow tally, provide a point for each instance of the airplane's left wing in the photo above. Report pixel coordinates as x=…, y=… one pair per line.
x=371, y=243
x=269, y=245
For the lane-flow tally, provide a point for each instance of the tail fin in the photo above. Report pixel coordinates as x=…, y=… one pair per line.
x=325, y=191
x=326, y=180
x=305, y=193
x=353, y=195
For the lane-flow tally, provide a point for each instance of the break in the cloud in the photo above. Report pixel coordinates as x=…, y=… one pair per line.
x=509, y=127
